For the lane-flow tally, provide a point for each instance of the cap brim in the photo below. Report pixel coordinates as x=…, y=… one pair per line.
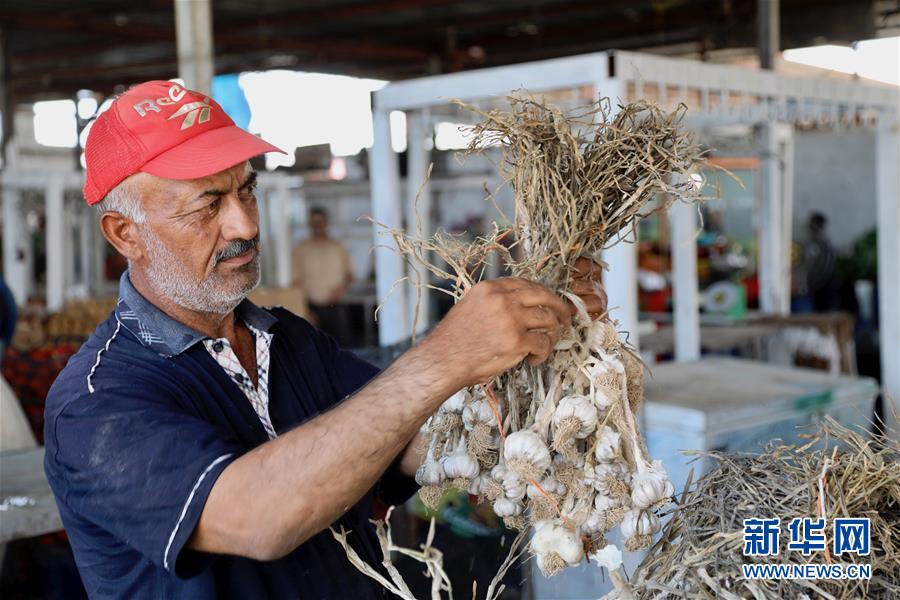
x=208, y=154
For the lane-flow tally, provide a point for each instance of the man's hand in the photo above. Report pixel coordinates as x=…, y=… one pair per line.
x=495, y=326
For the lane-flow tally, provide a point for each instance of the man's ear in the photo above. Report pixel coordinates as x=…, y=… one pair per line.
x=122, y=233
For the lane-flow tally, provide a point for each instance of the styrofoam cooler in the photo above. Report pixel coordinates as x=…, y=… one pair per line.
x=724, y=404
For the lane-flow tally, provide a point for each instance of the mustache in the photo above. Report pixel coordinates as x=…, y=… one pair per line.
x=235, y=248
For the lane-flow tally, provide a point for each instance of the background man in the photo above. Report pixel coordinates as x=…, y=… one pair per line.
x=200, y=446
x=322, y=269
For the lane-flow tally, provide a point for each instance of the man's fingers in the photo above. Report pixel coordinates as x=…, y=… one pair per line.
x=539, y=317
x=539, y=345
x=538, y=295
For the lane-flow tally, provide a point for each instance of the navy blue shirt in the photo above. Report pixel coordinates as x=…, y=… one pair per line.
x=143, y=420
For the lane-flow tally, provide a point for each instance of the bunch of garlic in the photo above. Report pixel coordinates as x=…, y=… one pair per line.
x=570, y=462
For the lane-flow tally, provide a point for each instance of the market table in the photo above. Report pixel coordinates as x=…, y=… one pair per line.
x=27, y=506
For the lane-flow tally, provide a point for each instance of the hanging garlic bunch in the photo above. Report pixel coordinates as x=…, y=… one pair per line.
x=564, y=431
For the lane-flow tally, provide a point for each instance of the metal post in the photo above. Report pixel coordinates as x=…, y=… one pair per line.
x=774, y=267
x=393, y=325
x=888, y=196
x=15, y=245
x=281, y=231
x=418, y=211
x=785, y=135
x=768, y=30
x=686, y=297
x=620, y=281
x=56, y=243
x=194, y=37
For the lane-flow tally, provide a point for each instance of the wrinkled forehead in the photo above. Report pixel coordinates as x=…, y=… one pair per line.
x=172, y=195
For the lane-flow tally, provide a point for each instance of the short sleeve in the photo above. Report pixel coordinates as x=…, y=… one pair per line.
x=130, y=461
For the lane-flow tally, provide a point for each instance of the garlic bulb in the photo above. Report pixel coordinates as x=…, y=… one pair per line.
x=513, y=487
x=639, y=523
x=478, y=485
x=577, y=415
x=610, y=479
x=609, y=557
x=556, y=547
x=602, y=503
x=526, y=454
x=504, y=507
x=456, y=402
x=430, y=472
x=477, y=411
x=602, y=336
x=595, y=523
x=607, y=447
x=607, y=378
x=459, y=463
x=549, y=484
x=650, y=485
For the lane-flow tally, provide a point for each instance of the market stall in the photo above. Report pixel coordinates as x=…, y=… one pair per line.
x=716, y=96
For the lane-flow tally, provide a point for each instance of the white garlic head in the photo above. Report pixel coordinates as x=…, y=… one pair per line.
x=430, y=472
x=639, y=522
x=526, y=453
x=549, y=484
x=456, y=402
x=602, y=336
x=504, y=507
x=603, y=503
x=477, y=411
x=513, y=487
x=651, y=486
x=459, y=463
x=607, y=447
x=580, y=408
x=477, y=485
x=553, y=538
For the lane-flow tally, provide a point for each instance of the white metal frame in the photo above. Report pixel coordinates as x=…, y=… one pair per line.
x=724, y=95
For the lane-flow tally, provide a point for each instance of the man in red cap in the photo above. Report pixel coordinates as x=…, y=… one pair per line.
x=200, y=446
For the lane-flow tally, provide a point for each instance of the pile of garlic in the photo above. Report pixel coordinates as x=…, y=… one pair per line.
x=567, y=459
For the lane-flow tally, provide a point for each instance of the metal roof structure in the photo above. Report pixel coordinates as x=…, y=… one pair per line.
x=53, y=48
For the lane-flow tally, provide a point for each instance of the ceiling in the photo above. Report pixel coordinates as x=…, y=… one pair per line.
x=53, y=48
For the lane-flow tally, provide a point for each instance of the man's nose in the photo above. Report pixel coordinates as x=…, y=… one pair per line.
x=240, y=220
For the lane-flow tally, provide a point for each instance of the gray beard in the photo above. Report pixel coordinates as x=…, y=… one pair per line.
x=170, y=278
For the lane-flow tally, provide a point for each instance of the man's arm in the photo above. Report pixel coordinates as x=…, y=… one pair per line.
x=275, y=497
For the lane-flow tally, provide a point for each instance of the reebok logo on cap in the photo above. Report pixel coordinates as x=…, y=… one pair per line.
x=163, y=129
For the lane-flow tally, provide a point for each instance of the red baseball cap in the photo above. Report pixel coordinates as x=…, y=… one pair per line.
x=161, y=128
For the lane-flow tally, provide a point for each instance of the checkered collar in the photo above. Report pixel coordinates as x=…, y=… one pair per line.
x=161, y=333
